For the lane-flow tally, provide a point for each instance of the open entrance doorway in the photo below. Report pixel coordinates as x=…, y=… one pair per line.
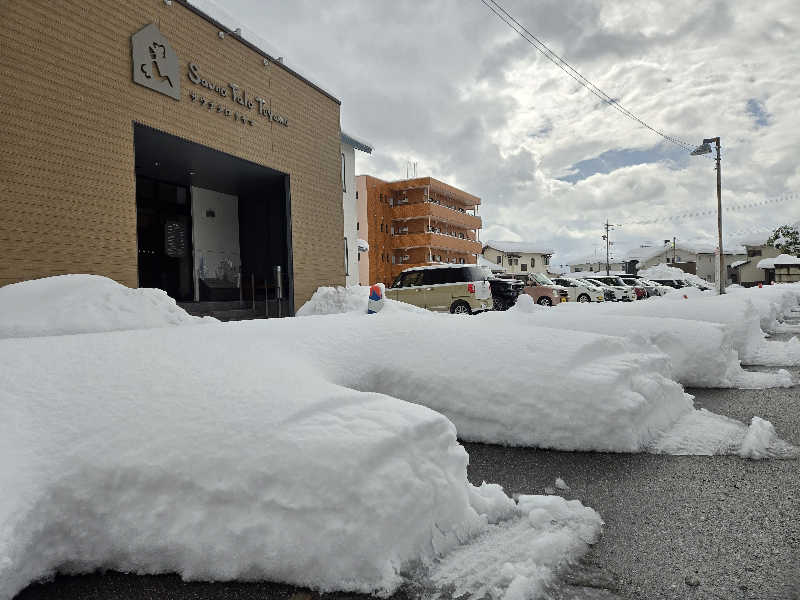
x=213, y=230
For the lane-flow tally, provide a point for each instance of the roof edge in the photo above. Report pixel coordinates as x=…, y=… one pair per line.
x=187, y=4
x=356, y=143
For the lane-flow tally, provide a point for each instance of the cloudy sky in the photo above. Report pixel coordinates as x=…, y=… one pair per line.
x=448, y=85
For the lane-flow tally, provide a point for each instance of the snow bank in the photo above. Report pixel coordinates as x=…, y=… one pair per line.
x=351, y=299
x=701, y=354
x=69, y=304
x=664, y=271
x=227, y=454
x=702, y=432
x=518, y=559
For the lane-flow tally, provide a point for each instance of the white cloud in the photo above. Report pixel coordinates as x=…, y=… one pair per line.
x=450, y=86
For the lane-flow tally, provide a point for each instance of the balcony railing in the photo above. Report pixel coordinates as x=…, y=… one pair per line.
x=436, y=240
x=437, y=211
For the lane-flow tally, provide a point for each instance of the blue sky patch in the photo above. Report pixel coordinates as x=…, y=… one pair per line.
x=611, y=160
x=755, y=108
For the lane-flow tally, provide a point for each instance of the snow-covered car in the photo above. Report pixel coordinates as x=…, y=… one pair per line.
x=675, y=284
x=658, y=289
x=622, y=292
x=609, y=295
x=580, y=291
x=641, y=290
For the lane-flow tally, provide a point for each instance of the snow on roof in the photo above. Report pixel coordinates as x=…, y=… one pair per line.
x=356, y=143
x=521, y=247
x=783, y=259
x=739, y=263
x=648, y=252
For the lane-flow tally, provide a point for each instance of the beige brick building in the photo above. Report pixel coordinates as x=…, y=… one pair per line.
x=145, y=142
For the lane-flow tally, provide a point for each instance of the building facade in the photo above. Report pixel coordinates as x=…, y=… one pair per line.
x=746, y=271
x=352, y=248
x=708, y=264
x=595, y=266
x=517, y=257
x=415, y=222
x=146, y=142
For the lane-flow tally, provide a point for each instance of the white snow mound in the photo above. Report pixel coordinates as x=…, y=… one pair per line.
x=226, y=453
x=67, y=304
x=351, y=299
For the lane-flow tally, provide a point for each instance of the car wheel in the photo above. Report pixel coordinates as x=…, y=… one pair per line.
x=459, y=307
x=545, y=301
x=584, y=298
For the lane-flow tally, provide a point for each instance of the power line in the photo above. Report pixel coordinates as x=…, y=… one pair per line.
x=562, y=64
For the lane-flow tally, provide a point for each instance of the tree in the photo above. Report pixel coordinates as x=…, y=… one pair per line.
x=786, y=238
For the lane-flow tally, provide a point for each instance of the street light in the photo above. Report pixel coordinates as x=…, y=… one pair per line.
x=705, y=148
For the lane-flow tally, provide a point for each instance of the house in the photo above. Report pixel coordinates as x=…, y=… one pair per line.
x=594, y=265
x=708, y=262
x=676, y=255
x=415, y=222
x=783, y=268
x=746, y=272
x=488, y=264
x=518, y=257
x=352, y=248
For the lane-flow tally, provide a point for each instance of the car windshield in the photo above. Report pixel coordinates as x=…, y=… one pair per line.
x=631, y=281
x=541, y=279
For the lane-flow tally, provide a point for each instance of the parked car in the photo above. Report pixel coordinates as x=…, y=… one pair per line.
x=580, y=291
x=504, y=291
x=460, y=289
x=673, y=283
x=609, y=295
x=660, y=290
x=626, y=292
x=541, y=289
x=638, y=287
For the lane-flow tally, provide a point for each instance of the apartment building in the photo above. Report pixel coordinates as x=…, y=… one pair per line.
x=414, y=222
x=517, y=257
x=352, y=246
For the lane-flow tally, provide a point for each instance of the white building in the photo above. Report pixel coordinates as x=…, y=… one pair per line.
x=353, y=238
x=517, y=257
x=651, y=256
x=595, y=265
x=708, y=262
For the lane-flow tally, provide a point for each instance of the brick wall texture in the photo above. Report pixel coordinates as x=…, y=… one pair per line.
x=67, y=181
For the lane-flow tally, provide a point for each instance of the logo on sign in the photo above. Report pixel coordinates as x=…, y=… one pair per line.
x=155, y=64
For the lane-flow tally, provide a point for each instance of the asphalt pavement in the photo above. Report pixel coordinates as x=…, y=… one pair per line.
x=675, y=526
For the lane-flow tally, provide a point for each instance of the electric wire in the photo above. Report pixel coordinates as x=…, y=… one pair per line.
x=562, y=64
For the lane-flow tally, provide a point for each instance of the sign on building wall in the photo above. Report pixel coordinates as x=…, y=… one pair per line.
x=156, y=66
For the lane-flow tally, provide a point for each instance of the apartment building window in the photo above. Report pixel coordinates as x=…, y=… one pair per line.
x=344, y=173
x=500, y=259
x=523, y=267
x=357, y=223
x=533, y=263
x=546, y=259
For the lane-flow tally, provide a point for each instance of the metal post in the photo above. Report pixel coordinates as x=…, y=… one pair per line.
x=253, y=289
x=674, y=240
x=722, y=274
x=278, y=289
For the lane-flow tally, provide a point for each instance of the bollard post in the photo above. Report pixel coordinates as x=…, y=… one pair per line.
x=278, y=289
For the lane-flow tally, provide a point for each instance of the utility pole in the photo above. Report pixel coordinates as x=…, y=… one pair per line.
x=608, y=228
x=705, y=148
x=674, y=239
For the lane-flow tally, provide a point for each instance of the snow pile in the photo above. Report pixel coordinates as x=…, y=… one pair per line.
x=518, y=559
x=351, y=299
x=702, y=354
x=560, y=389
x=664, y=271
x=181, y=463
x=702, y=432
x=68, y=304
